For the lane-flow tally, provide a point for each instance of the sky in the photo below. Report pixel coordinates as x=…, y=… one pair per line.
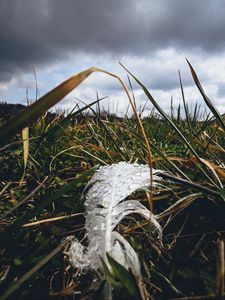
x=51, y=40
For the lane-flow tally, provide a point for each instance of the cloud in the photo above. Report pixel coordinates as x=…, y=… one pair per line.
x=158, y=72
x=151, y=38
x=39, y=32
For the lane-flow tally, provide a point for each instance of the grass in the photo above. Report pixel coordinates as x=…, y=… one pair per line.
x=44, y=180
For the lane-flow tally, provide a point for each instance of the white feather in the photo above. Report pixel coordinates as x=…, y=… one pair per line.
x=105, y=208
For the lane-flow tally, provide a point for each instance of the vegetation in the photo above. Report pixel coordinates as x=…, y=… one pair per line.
x=43, y=174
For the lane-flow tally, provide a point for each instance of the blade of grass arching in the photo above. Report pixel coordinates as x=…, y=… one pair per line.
x=164, y=157
x=185, y=104
x=178, y=131
x=205, y=97
x=139, y=122
x=72, y=110
x=35, y=110
x=31, y=113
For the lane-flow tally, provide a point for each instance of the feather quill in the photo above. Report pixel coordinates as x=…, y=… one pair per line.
x=104, y=209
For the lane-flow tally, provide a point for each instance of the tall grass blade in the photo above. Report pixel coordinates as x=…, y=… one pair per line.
x=175, y=127
x=185, y=104
x=205, y=97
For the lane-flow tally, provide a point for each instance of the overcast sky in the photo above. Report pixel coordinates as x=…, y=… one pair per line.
x=151, y=38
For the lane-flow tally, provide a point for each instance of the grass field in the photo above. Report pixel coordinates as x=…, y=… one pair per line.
x=44, y=172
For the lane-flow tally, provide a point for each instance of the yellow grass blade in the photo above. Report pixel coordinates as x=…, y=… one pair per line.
x=25, y=138
x=52, y=220
x=35, y=110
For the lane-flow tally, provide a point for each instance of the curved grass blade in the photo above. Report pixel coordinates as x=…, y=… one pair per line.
x=31, y=113
x=35, y=110
x=205, y=97
x=175, y=127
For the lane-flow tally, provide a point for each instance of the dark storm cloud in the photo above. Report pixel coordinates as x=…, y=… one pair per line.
x=39, y=31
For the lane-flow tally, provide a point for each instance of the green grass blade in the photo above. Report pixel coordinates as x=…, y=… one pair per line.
x=205, y=97
x=175, y=127
x=125, y=277
x=185, y=104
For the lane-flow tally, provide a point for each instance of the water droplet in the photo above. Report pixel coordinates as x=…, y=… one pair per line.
x=133, y=186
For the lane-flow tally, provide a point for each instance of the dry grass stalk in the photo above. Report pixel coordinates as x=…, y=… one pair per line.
x=52, y=220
